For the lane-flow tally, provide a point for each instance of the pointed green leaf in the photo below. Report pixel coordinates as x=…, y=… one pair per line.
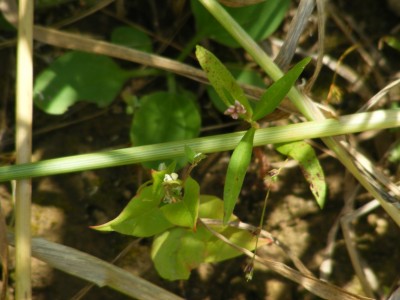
x=189, y=153
x=270, y=100
x=141, y=217
x=304, y=154
x=237, y=169
x=184, y=213
x=221, y=79
x=241, y=75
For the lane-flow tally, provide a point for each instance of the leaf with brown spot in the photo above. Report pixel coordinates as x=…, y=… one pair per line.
x=304, y=154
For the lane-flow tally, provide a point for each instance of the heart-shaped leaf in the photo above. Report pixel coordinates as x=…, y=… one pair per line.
x=176, y=252
x=78, y=76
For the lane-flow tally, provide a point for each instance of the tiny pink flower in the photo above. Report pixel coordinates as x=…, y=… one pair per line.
x=235, y=110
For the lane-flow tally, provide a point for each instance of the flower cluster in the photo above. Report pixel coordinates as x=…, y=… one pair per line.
x=235, y=110
x=172, y=188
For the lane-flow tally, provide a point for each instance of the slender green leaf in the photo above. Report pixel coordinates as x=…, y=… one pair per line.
x=237, y=169
x=141, y=217
x=270, y=100
x=305, y=155
x=221, y=79
x=241, y=75
x=184, y=213
x=190, y=154
x=259, y=20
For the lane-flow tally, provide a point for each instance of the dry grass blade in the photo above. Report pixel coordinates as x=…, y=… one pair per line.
x=321, y=8
x=349, y=236
x=317, y=287
x=92, y=269
x=297, y=26
x=264, y=234
x=78, y=42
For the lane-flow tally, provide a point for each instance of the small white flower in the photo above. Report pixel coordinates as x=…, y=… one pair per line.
x=170, y=177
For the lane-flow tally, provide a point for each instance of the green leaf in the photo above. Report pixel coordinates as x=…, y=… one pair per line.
x=259, y=20
x=189, y=153
x=270, y=100
x=391, y=41
x=176, y=252
x=179, y=250
x=184, y=213
x=221, y=79
x=237, y=169
x=241, y=75
x=131, y=38
x=211, y=207
x=141, y=217
x=218, y=250
x=304, y=154
x=165, y=117
x=78, y=76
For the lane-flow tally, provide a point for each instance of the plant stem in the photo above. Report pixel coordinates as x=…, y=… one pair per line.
x=217, y=143
x=301, y=101
x=23, y=143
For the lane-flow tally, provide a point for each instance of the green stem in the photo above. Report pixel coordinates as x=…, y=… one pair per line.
x=301, y=101
x=294, y=132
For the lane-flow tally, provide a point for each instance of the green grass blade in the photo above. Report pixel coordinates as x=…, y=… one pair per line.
x=270, y=100
x=237, y=169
